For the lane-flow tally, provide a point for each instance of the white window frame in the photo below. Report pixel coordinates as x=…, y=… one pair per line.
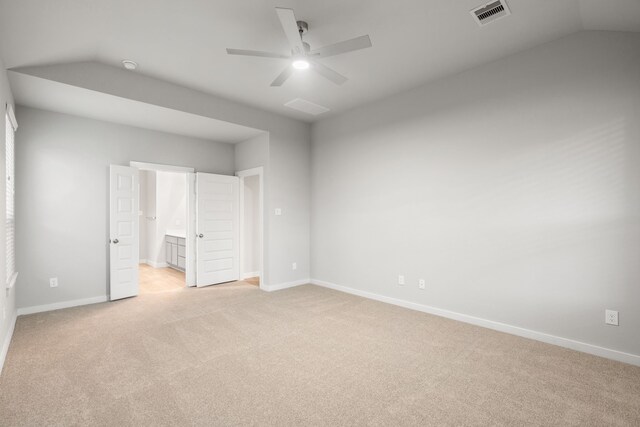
x=10, y=225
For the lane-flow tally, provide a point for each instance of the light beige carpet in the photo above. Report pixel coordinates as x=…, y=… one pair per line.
x=234, y=355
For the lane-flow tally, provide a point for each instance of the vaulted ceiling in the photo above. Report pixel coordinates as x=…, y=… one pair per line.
x=414, y=41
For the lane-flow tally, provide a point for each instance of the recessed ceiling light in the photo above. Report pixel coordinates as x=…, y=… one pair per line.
x=129, y=65
x=300, y=64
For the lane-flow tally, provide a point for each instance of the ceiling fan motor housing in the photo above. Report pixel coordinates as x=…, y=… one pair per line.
x=303, y=27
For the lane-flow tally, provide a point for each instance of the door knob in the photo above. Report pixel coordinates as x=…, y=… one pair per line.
x=201, y=235
x=116, y=241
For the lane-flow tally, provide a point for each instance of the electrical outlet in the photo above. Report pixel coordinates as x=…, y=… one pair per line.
x=422, y=284
x=278, y=211
x=401, y=280
x=611, y=317
x=53, y=282
x=294, y=266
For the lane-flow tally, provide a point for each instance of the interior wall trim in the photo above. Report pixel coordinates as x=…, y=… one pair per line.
x=7, y=342
x=60, y=305
x=608, y=353
x=285, y=285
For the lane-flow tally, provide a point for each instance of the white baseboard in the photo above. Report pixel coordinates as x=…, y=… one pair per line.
x=7, y=341
x=60, y=305
x=250, y=275
x=143, y=261
x=620, y=356
x=279, y=286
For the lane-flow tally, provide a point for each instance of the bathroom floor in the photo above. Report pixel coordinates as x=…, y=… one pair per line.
x=153, y=280
x=253, y=281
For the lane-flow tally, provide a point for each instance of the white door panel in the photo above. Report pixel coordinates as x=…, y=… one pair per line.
x=190, y=255
x=217, y=227
x=123, y=225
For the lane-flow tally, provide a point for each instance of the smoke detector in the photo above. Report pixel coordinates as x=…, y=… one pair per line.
x=490, y=12
x=129, y=65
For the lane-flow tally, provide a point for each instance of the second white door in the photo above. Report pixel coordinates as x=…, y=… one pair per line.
x=123, y=230
x=217, y=229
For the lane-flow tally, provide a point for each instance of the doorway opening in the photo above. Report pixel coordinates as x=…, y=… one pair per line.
x=163, y=219
x=164, y=215
x=251, y=226
x=166, y=218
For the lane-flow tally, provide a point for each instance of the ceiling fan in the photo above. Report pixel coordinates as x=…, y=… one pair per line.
x=302, y=57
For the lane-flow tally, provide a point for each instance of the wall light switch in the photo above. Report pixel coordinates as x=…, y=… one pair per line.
x=401, y=280
x=611, y=317
x=294, y=266
x=278, y=211
x=422, y=284
x=53, y=282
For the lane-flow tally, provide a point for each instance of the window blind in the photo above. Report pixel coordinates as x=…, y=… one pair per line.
x=10, y=229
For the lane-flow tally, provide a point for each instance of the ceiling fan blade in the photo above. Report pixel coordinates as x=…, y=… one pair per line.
x=328, y=73
x=290, y=27
x=256, y=53
x=358, y=43
x=283, y=76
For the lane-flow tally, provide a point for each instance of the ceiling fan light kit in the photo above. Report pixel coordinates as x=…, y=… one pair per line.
x=302, y=57
x=300, y=64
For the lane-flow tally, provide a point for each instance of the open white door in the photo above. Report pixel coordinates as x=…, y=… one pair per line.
x=190, y=272
x=123, y=226
x=217, y=227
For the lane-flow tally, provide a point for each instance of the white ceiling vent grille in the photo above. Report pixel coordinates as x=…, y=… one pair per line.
x=490, y=12
x=306, y=106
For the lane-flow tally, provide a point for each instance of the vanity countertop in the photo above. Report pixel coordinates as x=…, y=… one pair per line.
x=177, y=233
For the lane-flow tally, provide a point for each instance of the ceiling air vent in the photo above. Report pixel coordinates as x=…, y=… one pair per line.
x=306, y=106
x=490, y=12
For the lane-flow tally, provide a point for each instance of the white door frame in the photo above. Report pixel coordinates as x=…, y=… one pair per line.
x=190, y=259
x=259, y=172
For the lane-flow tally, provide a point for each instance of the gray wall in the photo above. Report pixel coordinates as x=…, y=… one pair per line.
x=150, y=209
x=285, y=154
x=7, y=297
x=62, y=196
x=287, y=181
x=252, y=153
x=144, y=203
x=251, y=240
x=512, y=188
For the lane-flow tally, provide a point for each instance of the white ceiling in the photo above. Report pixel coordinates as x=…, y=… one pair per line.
x=414, y=41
